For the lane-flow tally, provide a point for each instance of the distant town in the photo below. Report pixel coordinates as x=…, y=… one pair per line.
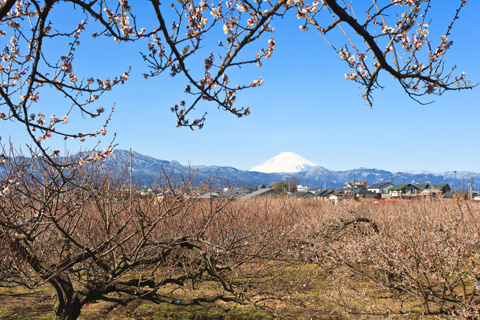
x=379, y=192
x=289, y=174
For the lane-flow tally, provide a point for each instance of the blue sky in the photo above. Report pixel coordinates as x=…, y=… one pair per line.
x=305, y=106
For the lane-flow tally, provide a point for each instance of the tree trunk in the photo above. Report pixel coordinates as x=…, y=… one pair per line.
x=66, y=303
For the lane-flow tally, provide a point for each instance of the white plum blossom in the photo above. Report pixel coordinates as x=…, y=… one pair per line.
x=388, y=30
x=216, y=13
x=351, y=76
x=242, y=7
x=227, y=29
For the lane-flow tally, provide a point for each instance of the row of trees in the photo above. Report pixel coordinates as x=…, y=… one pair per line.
x=289, y=185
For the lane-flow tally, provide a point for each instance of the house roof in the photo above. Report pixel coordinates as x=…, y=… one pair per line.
x=440, y=186
x=364, y=191
x=422, y=186
x=401, y=186
x=323, y=193
x=258, y=193
x=233, y=193
x=379, y=185
x=303, y=194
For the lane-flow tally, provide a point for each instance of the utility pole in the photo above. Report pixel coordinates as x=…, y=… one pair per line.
x=470, y=191
x=131, y=174
x=353, y=188
x=461, y=182
x=455, y=180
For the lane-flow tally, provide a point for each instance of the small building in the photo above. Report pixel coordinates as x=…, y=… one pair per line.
x=339, y=196
x=301, y=188
x=442, y=187
x=367, y=194
x=436, y=191
x=359, y=192
x=403, y=191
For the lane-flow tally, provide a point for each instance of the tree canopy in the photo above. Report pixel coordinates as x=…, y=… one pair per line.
x=381, y=38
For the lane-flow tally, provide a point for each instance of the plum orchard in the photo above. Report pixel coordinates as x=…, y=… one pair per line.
x=68, y=223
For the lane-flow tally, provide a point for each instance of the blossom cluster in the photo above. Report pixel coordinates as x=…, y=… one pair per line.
x=97, y=156
x=358, y=65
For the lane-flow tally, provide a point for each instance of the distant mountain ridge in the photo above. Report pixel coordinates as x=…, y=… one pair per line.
x=147, y=170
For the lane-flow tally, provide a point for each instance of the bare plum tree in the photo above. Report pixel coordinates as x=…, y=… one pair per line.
x=89, y=238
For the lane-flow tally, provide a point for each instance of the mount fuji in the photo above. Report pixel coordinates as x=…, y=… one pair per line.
x=285, y=162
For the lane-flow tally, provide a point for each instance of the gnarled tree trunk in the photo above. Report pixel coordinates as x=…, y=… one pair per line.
x=66, y=302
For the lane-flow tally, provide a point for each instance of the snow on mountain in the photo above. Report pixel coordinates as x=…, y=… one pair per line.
x=285, y=162
x=422, y=172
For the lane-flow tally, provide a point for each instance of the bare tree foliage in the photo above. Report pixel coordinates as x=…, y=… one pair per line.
x=384, y=37
x=90, y=238
x=416, y=252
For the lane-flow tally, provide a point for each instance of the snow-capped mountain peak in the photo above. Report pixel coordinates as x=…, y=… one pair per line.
x=285, y=162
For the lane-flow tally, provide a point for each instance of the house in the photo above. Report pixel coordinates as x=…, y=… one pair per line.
x=435, y=191
x=339, y=196
x=403, y=190
x=351, y=189
x=360, y=192
x=301, y=188
x=381, y=187
x=365, y=193
x=442, y=187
